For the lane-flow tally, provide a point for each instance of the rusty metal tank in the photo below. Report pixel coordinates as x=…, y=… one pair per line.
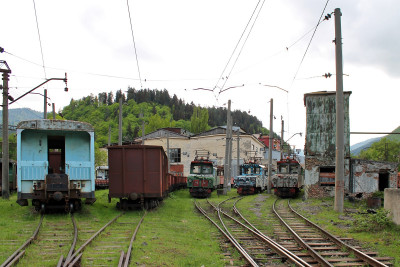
x=137, y=175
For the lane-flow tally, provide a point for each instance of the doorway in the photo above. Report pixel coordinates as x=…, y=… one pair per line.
x=56, y=154
x=383, y=181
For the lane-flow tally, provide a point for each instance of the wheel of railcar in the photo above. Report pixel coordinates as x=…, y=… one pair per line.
x=124, y=204
x=118, y=205
x=42, y=209
x=71, y=207
x=146, y=205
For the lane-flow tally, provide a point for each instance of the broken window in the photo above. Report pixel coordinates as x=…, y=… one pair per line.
x=327, y=176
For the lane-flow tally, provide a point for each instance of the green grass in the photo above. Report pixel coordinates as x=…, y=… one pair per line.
x=17, y=225
x=176, y=234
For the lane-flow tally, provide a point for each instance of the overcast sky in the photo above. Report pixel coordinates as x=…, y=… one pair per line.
x=182, y=45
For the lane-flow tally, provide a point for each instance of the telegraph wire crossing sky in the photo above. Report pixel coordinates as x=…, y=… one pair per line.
x=246, y=51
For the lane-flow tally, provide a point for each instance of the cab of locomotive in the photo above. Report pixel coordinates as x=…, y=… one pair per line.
x=55, y=163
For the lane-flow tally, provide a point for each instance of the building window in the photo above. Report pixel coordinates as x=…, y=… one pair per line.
x=175, y=154
x=327, y=176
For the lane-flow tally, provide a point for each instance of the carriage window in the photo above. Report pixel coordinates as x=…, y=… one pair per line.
x=196, y=169
x=294, y=169
x=207, y=169
x=283, y=168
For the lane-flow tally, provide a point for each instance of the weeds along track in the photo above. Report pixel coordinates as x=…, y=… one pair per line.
x=111, y=245
x=55, y=235
x=326, y=249
x=257, y=249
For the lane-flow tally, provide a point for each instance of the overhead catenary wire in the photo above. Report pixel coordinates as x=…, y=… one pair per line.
x=134, y=44
x=237, y=45
x=40, y=40
x=309, y=43
x=241, y=49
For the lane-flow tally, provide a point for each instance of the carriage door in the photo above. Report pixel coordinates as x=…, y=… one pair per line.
x=56, y=154
x=78, y=162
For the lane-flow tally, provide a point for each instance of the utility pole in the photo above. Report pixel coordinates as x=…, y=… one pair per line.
x=54, y=111
x=238, y=152
x=120, y=122
x=5, y=184
x=109, y=135
x=282, y=142
x=271, y=138
x=168, y=153
x=45, y=104
x=339, y=170
x=141, y=116
x=227, y=165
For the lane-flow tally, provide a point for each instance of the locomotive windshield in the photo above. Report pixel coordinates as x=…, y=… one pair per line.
x=288, y=168
x=201, y=169
x=248, y=169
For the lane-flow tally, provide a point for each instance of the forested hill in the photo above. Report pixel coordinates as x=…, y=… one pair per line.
x=159, y=110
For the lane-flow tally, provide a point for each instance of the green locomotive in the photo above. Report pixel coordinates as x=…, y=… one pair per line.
x=203, y=176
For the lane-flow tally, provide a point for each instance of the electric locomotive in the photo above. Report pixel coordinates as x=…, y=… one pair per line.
x=55, y=160
x=251, y=180
x=203, y=176
x=288, y=179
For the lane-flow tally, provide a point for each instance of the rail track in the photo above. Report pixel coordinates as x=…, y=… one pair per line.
x=53, y=237
x=326, y=249
x=255, y=247
x=109, y=246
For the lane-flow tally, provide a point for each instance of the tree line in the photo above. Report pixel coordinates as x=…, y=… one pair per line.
x=156, y=108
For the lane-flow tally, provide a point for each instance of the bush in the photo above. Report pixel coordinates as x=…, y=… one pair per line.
x=365, y=222
x=379, y=194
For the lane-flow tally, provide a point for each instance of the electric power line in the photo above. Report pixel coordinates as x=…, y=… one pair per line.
x=237, y=44
x=40, y=40
x=309, y=43
x=241, y=49
x=134, y=44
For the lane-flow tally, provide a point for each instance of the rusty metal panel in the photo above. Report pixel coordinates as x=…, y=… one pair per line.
x=137, y=169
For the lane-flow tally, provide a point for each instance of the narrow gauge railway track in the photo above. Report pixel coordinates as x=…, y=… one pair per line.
x=325, y=248
x=257, y=249
x=108, y=244
x=53, y=236
x=14, y=258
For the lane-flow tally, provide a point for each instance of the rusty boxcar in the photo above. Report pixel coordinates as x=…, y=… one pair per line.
x=137, y=175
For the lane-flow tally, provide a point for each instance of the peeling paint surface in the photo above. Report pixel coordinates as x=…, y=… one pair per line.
x=321, y=124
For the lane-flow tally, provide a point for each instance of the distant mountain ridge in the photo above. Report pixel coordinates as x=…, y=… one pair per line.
x=357, y=148
x=20, y=114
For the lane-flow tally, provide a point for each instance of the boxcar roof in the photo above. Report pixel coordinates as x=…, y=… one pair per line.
x=62, y=125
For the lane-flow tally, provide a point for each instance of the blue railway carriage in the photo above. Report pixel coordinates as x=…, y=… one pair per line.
x=251, y=180
x=55, y=160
